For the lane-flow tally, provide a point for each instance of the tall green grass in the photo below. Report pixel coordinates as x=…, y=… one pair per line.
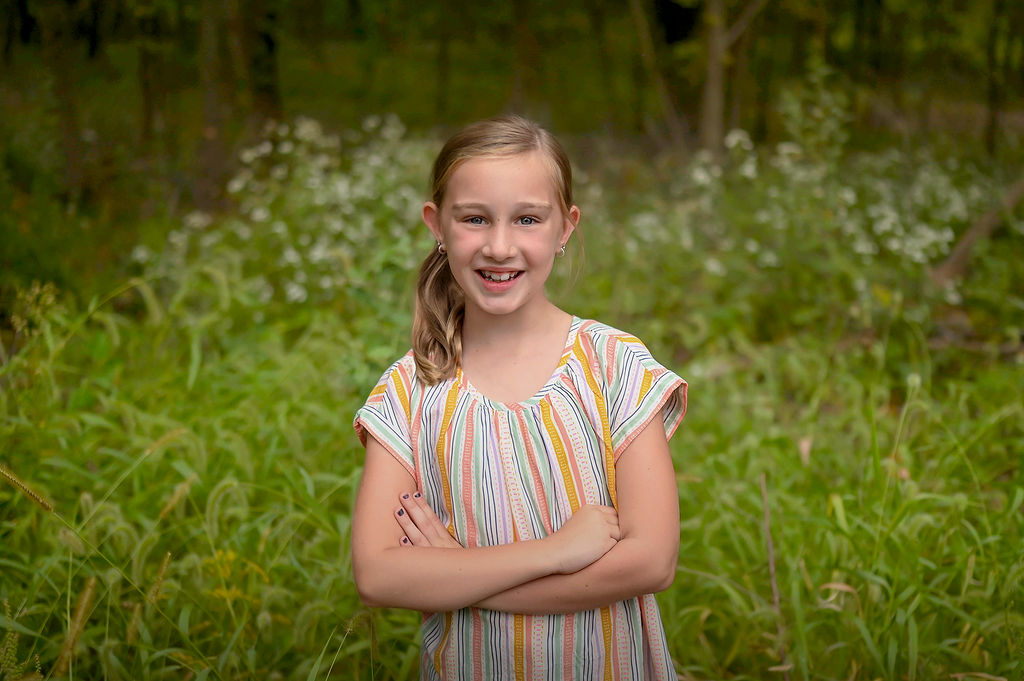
x=192, y=430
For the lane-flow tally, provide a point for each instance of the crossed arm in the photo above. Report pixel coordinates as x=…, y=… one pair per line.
x=596, y=558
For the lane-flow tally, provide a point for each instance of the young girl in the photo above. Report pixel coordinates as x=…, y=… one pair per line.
x=518, y=487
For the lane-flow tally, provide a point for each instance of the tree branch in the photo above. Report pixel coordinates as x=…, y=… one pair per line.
x=737, y=29
x=955, y=263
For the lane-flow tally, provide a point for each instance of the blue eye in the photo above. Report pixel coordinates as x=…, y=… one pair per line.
x=528, y=220
x=475, y=220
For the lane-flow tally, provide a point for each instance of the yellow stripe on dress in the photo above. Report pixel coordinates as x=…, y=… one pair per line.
x=606, y=629
x=602, y=409
x=403, y=396
x=563, y=462
x=442, y=441
x=519, y=626
x=379, y=390
x=645, y=385
x=444, y=642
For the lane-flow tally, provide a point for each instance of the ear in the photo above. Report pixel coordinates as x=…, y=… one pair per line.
x=432, y=219
x=569, y=224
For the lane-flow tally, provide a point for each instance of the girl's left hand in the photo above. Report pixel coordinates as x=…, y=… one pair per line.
x=421, y=525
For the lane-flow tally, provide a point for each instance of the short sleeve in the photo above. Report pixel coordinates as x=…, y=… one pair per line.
x=639, y=389
x=387, y=414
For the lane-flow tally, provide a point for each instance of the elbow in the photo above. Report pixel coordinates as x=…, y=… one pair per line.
x=662, y=571
x=371, y=591
x=663, y=579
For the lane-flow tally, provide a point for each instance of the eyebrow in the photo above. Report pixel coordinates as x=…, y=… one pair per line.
x=518, y=206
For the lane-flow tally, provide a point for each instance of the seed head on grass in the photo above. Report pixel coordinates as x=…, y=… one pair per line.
x=181, y=490
x=14, y=480
x=82, y=608
x=158, y=582
x=132, y=634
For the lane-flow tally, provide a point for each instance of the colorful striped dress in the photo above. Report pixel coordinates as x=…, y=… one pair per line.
x=496, y=473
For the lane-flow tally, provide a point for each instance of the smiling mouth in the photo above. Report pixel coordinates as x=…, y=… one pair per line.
x=498, y=276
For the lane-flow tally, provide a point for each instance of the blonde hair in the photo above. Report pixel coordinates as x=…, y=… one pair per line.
x=440, y=303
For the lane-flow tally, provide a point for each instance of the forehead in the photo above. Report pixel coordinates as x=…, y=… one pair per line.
x=521, y=176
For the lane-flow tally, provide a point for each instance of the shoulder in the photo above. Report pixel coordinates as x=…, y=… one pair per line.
x=607, y=342
x=401, y=374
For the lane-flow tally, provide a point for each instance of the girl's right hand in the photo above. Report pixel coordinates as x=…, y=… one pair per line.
x=586, y=536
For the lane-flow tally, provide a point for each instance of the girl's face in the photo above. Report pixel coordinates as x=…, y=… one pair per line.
x=502, y=222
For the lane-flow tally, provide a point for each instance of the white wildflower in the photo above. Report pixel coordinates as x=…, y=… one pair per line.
x=210, y=239
x=371, y=122
x=248, y=155
x=700, y=176
x=714, y=266
x=178, y=239
x=259, y=214
x=307, y=129
x=198, y=220
x=788, y=149
x=295, y=293
x=141, y=254
x=748, y=168
x=237, y=183
x=738, y=138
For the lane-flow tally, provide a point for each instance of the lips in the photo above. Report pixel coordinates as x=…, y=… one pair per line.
x=498, y=282
x=492, y=275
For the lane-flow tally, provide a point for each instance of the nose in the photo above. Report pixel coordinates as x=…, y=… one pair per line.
x=500, y=244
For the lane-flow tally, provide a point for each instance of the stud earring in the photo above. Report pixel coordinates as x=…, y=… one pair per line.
x=443, y=250
x=561, y=251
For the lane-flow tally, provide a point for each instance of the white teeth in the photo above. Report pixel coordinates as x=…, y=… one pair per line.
x=499, y=276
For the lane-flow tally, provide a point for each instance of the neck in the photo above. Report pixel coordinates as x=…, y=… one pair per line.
x=481, y=331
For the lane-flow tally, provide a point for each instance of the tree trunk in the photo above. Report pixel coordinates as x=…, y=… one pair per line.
x=262, y=52
x=212, y=151
x=994, y=86
x=739, y=77
x=444, y=60
x=237, y=47
x=56, y=21
x=676, y=127
x=526, y=70
x=93, y=26
x=148, y=35
x=712, y=105
x=596, y=16
x=10, y=33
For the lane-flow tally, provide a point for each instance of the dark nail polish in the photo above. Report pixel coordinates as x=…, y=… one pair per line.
x=405, y=496
x=417, y=495
x=405, y=540
x=401, y=511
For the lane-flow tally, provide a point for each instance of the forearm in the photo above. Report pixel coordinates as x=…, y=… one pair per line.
x=630, y=569
x=433, y=579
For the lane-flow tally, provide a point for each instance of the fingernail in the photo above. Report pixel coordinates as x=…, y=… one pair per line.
x=405, y=496
x=401, y=511
x=405, y=540
x=417, y=495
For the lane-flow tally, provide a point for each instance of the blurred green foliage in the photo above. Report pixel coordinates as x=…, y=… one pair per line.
x=201, y=410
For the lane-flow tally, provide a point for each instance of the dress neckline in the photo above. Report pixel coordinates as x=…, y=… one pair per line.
x=537, y=397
